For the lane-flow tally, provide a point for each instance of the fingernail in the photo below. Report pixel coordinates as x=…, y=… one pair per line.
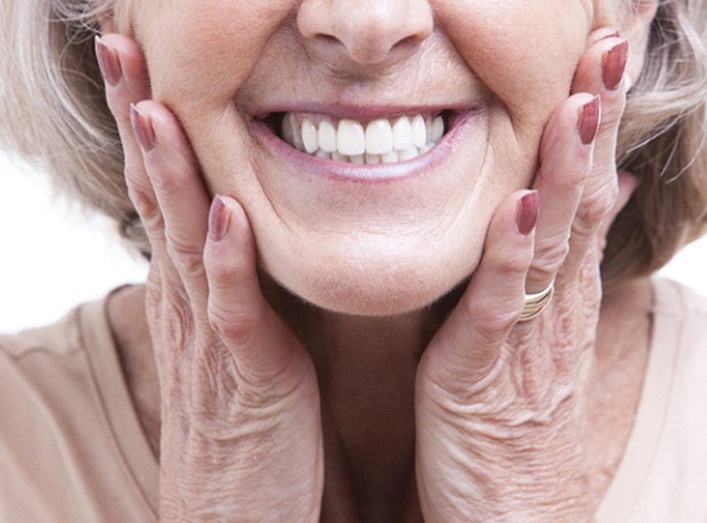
x=108, y=62
x=613, y=65
x=218, y=220
x=143, y=129
x=527, y=213
x=588, y=123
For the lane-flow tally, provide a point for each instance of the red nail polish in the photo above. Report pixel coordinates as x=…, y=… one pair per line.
x=108, y=63
x=527, y=213
x=218, y=220
x=143, y=129
x=613, y=65
x=588, y=123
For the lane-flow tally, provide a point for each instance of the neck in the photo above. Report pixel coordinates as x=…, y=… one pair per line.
x=366, y=368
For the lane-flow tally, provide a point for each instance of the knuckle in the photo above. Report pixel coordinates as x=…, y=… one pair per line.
x=551, y=254
x=492, y=331
x=595, y=207
x=492, y=320
x=167, y=179
x=145, y=205
x=222, y=269
x=516, y=263
x=545, y=273
x=237, y=323
x=152, y=221
x=188, y=260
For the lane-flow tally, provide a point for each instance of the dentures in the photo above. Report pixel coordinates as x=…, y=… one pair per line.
x=379, y=141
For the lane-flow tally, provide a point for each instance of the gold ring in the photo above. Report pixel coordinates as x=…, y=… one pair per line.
x=536, y=303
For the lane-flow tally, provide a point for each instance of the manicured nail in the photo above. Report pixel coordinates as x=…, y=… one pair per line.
x=527, y=213
x=613, y=65
x=218, y=220
x=108, y=63
x=143, y=129
x=588, y=123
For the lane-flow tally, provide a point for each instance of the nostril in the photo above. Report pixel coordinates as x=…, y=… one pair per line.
x=328, y=39
x=370, y=32
x=407, y=42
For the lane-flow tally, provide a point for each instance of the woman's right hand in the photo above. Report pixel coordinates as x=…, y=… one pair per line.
x=240, y=420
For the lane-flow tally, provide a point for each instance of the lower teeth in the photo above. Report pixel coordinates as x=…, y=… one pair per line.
x=375, y=159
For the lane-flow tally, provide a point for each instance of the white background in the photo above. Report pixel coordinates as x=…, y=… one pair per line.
x=53, y=257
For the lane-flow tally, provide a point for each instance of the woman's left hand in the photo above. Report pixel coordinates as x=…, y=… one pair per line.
x=500, y=405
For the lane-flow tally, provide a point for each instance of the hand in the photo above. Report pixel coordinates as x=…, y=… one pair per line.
x=500, y=405
x=240, y=429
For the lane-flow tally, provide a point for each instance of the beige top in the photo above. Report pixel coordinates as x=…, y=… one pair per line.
x=72, y=449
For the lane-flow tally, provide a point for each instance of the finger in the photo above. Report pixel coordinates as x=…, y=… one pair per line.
x=600, y=71
x=261, y=344
x=467, y=345
x=126, y=82
x=173, y=173
x=565, y=160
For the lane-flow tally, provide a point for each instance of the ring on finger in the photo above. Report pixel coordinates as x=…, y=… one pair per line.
x=535, y=303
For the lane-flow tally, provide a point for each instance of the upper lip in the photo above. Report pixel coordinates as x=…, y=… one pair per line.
x=360, y=112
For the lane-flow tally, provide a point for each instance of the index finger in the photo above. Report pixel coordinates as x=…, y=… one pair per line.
x=126, y=82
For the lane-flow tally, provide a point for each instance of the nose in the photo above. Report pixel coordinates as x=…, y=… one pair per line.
x=368, y=32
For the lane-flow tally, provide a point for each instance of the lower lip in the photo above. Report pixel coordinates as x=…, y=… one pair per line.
x=366, y=173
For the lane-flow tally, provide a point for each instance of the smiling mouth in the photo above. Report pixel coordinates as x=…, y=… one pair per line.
x=376, y=141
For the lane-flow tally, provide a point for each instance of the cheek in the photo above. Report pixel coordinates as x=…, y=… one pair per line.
x=525, y=56
x=198, y=53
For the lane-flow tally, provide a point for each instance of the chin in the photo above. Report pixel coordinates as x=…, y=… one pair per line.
x=373, y=289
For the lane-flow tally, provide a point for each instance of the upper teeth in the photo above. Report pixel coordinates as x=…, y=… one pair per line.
x=380, y=141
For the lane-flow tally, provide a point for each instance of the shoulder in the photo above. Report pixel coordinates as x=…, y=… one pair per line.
x=673, y=298
x=63, y=406
x=53, y=341
x=664, y=467
x=50, y=359
x=41, y=367
x=679, y=316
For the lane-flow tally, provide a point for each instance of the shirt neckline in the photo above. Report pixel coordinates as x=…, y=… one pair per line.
x=125, y=427
x=644, y=440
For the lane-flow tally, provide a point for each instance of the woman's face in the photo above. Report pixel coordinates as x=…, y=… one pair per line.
x=379, y=238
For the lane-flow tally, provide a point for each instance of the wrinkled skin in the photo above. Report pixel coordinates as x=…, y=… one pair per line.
x=499, y=406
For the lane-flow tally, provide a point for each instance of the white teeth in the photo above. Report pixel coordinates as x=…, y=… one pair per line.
x=291, y=132
x=327, y=137
x=379, y=137
x=408, y=154
x=402, y=134
x=419, y=131
x=310, y=137
x=381, y=141
x=321, y=153
x=351, y=138
x=391, y=157
x=372, y=159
